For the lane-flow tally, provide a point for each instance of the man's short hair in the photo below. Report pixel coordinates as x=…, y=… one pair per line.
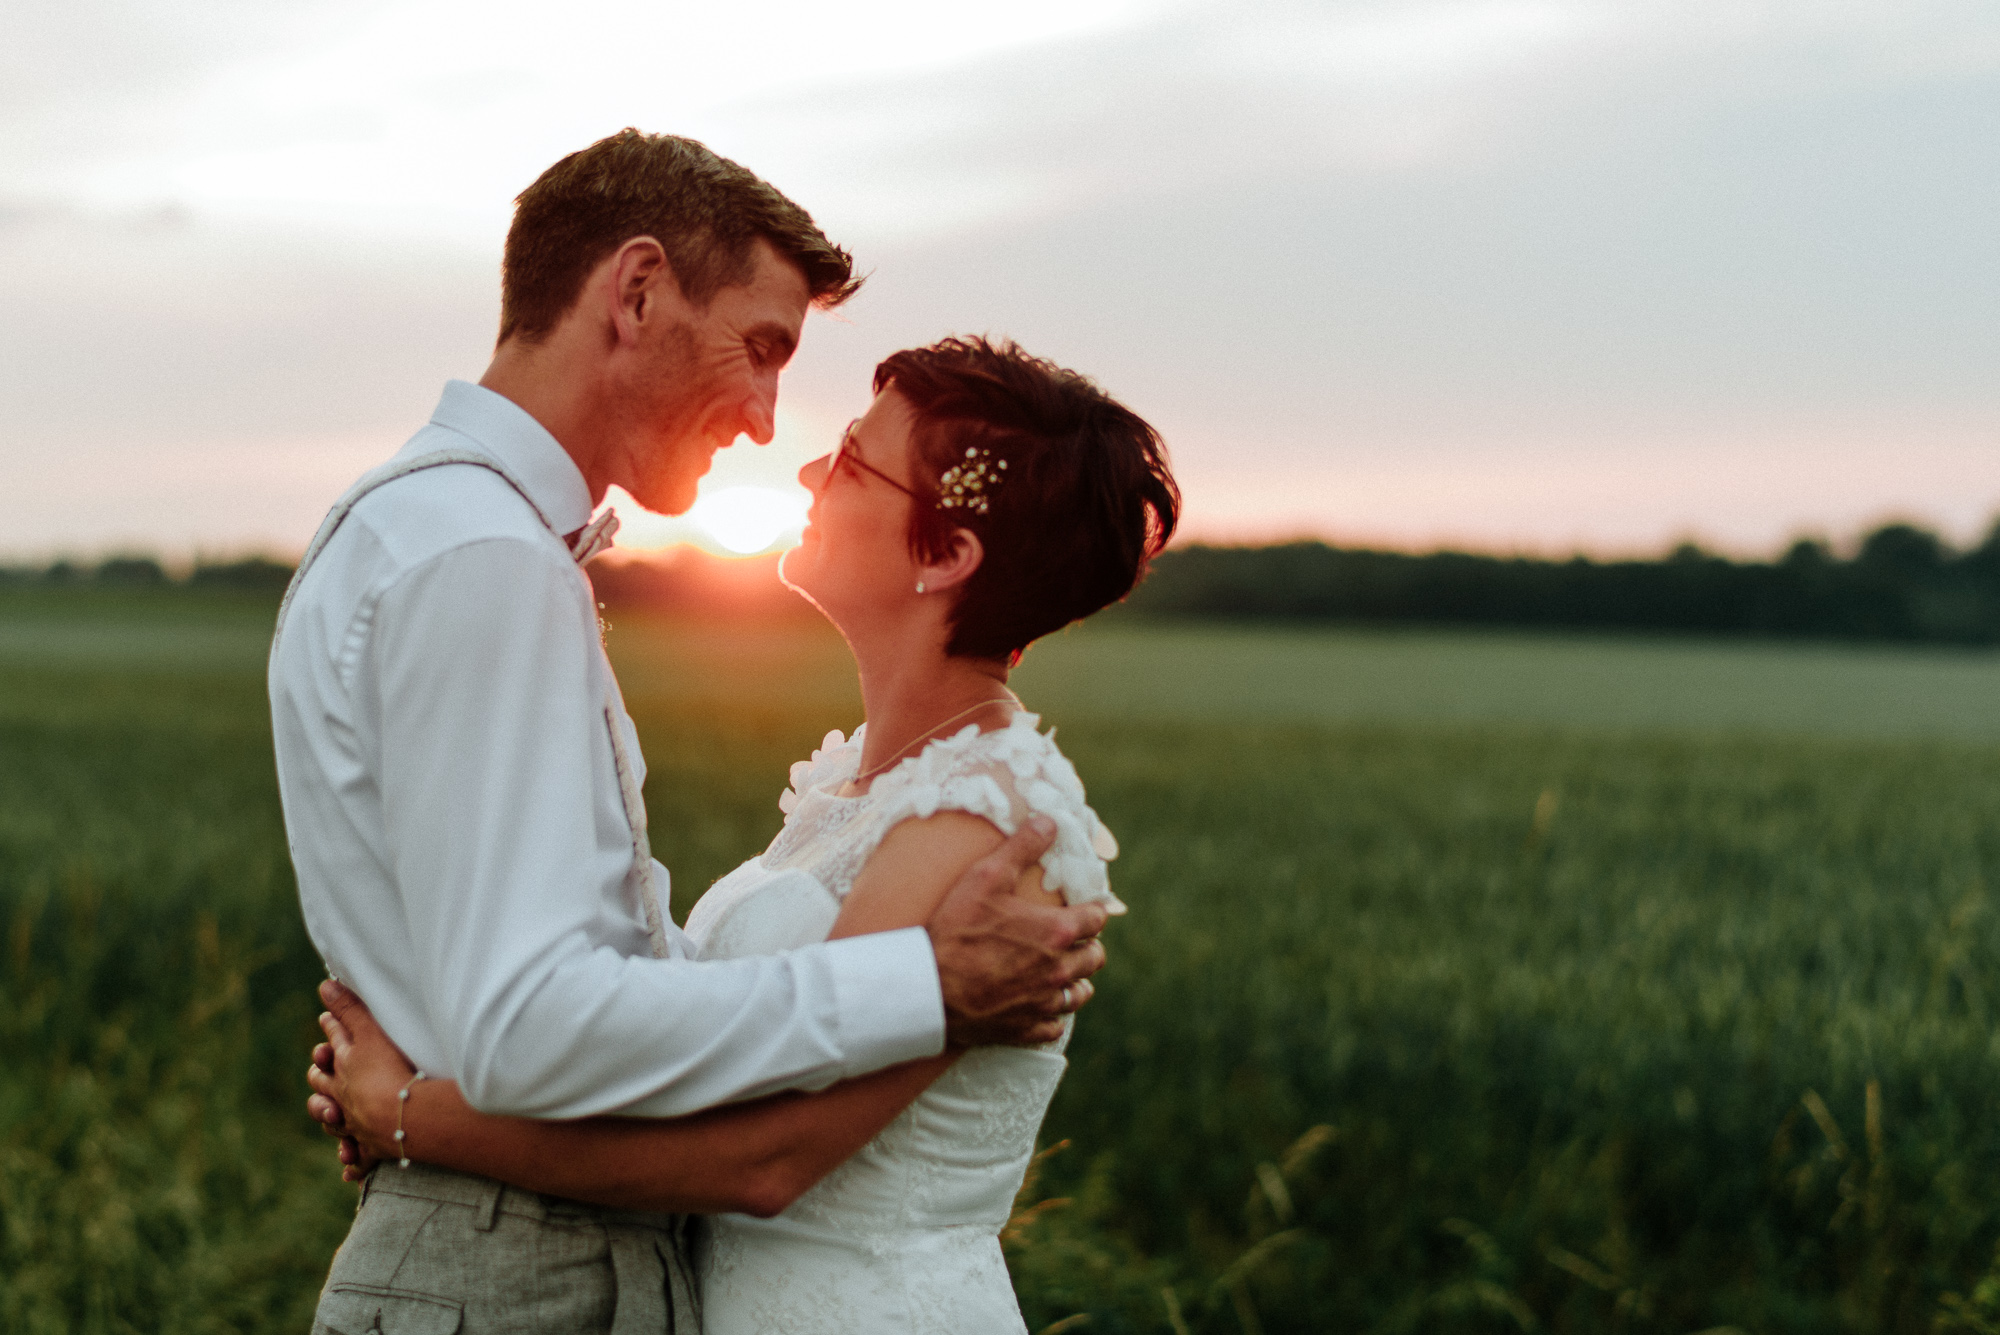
x=706, y=212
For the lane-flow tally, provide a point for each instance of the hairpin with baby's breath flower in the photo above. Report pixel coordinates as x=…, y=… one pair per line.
x=968, y=484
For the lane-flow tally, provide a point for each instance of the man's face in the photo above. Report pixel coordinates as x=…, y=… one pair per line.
x=705, y=376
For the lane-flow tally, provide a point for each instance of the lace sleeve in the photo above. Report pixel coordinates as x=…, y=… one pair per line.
x=831, y=756
x=1004, y=776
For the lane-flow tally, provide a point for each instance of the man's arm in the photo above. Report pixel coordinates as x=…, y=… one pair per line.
x=1009, y=965
x=494, y=760
x=755, y=1158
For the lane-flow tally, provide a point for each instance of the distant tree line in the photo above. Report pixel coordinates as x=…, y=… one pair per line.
x=1902, y=583
x=253, y=573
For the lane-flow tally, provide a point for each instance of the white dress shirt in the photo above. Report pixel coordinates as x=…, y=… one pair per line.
x=439, y=697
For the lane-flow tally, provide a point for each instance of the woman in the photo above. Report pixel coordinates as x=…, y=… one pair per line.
x=985, y=499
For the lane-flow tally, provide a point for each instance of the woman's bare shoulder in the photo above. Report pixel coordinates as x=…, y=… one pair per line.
x=918, y=860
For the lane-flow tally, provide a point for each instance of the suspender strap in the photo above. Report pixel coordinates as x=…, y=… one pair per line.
x=639, y=881
x=381, y=477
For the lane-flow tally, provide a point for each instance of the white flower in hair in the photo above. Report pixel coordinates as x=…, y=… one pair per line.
x=967, y=485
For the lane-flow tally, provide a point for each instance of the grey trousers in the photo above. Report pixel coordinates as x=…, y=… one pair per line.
x=433, y=1251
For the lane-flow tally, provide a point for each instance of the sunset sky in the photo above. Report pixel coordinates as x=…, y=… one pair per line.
x=1522, y=276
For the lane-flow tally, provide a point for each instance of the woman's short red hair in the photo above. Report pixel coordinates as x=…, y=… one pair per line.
x=1087, y=501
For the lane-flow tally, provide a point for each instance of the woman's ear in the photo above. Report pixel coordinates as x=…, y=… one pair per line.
x=962, y=556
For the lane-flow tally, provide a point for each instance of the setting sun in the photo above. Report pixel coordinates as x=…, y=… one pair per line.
x=748, y=520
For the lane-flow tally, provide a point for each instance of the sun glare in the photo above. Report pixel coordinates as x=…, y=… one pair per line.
x=748, y=520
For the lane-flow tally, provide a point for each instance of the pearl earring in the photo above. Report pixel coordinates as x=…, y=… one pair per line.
x=920, y=586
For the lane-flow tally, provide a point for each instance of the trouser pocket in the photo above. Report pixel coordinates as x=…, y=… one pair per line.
x=364, y=1309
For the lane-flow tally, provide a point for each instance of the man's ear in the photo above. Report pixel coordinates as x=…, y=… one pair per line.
x=639, y=285
x=963, y=554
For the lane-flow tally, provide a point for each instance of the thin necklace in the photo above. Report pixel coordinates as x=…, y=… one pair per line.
x=897, y=754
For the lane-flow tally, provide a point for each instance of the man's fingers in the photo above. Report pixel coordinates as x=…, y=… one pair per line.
x=323, y=1056
x=1071, y=967
x=1066, y=1000
x=1073, y=925
x=1020, y=851
x=1076, y=965
x=1022, y=1026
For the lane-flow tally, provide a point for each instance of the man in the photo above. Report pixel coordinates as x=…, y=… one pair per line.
x=461, y=782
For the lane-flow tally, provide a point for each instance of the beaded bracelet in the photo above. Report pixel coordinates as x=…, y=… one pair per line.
x=402, y=1101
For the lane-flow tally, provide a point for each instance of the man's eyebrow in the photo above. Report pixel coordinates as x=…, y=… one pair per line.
x=781, y=340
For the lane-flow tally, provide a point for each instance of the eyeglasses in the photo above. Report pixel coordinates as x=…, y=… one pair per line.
x=843, y=453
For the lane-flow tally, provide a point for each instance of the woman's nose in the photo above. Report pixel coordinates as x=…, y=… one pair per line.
x=813, y=476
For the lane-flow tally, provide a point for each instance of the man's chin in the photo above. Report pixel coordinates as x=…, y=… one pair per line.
x=675, y=500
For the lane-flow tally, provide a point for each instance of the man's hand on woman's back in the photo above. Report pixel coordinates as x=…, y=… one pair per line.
x=1012, y=968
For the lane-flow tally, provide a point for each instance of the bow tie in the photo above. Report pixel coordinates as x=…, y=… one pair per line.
x=593, y=537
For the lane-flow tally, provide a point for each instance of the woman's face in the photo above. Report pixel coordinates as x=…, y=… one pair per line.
x=855, y=552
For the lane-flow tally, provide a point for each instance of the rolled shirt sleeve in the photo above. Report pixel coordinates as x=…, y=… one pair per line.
x=494, y=760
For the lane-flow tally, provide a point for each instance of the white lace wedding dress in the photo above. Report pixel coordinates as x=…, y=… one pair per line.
x=904, y=1236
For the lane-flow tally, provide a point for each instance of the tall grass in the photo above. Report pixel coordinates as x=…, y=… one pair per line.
x=1479, y=1027
x=1594, y=1025
x=153, y=1174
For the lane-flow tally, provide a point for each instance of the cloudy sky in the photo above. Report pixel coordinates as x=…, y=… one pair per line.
x=1520, y=274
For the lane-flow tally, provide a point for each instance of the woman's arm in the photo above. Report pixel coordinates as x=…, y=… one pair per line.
x=753, y=1158
x=907, y=875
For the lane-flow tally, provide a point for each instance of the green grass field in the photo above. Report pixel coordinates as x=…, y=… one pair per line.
x=1473, y=983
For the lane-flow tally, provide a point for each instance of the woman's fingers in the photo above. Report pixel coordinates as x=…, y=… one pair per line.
x=349, y=1021
x=336, y=1051
x=355, y=1075
x=363, y=1162
x=325, y=1087
x=326, y=1110
x=338, y=1040
x=323, y=1104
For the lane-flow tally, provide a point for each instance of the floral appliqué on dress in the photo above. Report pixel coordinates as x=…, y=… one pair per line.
x=904, y=1236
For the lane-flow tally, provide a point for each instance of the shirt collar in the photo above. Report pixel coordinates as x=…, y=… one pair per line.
x=502, y=428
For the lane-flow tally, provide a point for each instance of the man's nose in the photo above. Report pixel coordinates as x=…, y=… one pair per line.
x=760, y=413
x=813, y=476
